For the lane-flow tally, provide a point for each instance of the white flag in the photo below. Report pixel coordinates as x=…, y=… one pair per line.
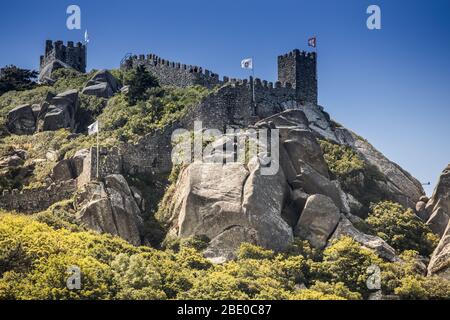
x=93, y=128
x=86, y=37
x=247, y=63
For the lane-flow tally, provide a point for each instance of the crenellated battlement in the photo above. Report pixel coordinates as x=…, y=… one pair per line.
x=173, y=73
x=296, y=71
x=71, y=54
x=298, y=53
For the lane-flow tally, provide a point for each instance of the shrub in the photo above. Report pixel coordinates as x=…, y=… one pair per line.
x=70, y=79
x=347, y=262
x=341, y=160
x=249, y=251
x=163, y=106
x=401, y=228
x=358, y=178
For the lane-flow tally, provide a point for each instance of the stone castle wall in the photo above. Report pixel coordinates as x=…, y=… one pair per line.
x=70, y=54
x=37, y=199
x=173, y=73
x=230, y=106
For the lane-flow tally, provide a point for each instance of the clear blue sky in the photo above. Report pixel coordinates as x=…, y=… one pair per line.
x=391, y=86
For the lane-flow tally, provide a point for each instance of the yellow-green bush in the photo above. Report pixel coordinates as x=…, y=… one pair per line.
x=401, y=228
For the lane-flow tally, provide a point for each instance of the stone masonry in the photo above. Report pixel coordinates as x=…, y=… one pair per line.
x=70, y=54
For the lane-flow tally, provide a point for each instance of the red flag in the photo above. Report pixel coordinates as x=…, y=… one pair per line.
x=312, y=42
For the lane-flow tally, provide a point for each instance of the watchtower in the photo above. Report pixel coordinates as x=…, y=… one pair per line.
x=299, y=68
x=74, y=56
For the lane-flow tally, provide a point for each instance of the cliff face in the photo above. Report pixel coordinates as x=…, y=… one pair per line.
x=438, y=213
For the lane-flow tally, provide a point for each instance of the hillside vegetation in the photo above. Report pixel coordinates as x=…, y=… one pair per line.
x=35, y=257
x=36, y=250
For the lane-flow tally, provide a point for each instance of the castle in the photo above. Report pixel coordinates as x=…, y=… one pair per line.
x=235, y=103
x=71, y=55
x=296, y=69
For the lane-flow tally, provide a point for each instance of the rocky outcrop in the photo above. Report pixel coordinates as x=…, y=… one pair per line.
x=404, y=189
x=440, y=260
x=438, y=207
x=54, y=113
x=346, y=228
x=14, y=158
x=58, y=112
x=110, y=207
x=438, y=212
x=318, y=220
x=71, y=168
x=102, y=84
x=402, y=186
x=21, y=120
x=221, y=201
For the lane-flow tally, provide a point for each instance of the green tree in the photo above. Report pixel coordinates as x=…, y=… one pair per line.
x=14, y=78
x=139, y=81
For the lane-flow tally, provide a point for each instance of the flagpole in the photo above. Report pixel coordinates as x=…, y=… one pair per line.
x=98, y=150
x=253, y=85
x=317, y=68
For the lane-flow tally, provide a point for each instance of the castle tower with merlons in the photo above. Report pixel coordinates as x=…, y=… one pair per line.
x=70, y=54
x=299, y=68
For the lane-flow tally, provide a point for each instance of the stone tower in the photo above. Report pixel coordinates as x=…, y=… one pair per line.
x=74, y=56
x=299, y=69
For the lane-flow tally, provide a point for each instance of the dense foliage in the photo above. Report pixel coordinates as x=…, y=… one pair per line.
x=35, y=258
x=401, y=228
x=162, y=107
x=14, y=78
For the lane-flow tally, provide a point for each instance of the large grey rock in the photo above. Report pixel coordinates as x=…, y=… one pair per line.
x=63, y=171
x=346, y=228
x=312, y=182
x=21, y=120
x=11, y=161
x=263, y=202
x=402, y=185
x=421, y=211
x=223, y=247
x=219, y=201
x=59, y=112
x=302, y=145
x=78, y=161
x=103, y=84
x=318, y=220
x=289, y=119
x=440, y=260
x=438, y=208
x=110, y=208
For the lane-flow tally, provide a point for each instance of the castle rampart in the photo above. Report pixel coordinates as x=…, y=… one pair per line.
x=173, y=73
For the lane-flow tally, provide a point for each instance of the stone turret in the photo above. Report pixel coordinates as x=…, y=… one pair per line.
x=299, y=68
x=70, y=54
